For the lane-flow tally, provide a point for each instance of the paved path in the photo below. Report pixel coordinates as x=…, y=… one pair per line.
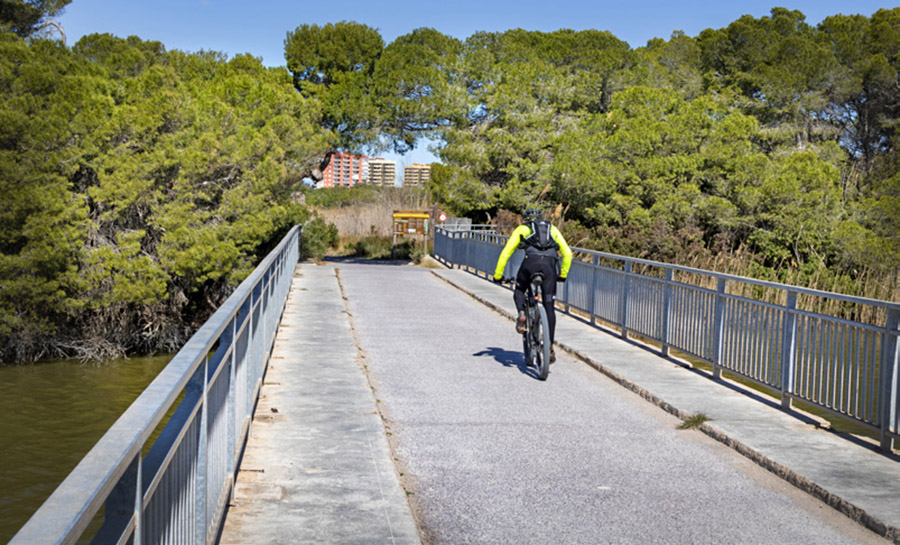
x=493, y=455
x=488, y=453
x=317, y=468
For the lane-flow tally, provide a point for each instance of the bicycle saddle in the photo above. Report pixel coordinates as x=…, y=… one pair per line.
x=537, y=278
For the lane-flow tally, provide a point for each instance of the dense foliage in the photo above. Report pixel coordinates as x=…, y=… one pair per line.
x=139, y=187
x=769, y=145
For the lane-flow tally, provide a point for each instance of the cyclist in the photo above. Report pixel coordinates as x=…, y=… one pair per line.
x=541, y=241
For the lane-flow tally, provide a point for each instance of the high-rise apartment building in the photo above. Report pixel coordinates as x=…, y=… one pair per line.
x=382, y=171
x=346, y=170
x=416, y=174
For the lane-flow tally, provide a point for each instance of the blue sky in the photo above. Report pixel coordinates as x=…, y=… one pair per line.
x=259, y=27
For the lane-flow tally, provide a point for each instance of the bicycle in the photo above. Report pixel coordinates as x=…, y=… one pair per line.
x=536, y=339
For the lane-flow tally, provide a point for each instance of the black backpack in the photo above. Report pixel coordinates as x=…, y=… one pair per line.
x=540, y=237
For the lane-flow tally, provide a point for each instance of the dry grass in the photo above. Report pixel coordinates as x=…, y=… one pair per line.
x=373, y=218
x=360, y=220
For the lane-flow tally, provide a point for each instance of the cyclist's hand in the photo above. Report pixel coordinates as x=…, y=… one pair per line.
x=561, y=279
x=496, y=280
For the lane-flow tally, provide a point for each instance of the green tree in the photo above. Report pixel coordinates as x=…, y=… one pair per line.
x=25, y=17
x=143, y=185
x=459, y=191
x=53, y=109
x=673, y=65
x=866, y=107
x=334, y=64
x=648, y=167
x=413, y=86
x=519, y=92
x=785, y=72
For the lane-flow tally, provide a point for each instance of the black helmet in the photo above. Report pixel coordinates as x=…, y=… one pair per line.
x=532, y=214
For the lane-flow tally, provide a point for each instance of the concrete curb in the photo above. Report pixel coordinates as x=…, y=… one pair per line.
x=847, y=508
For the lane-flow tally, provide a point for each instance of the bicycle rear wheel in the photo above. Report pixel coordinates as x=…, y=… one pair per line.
x=540, y=345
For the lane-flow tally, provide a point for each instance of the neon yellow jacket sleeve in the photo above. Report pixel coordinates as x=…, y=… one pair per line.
x=564, y=250
x=512, y=244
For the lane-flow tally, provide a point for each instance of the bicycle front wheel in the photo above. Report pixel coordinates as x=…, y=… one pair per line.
x=541, y=342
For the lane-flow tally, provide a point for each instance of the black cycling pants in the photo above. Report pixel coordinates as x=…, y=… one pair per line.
x=547, y=266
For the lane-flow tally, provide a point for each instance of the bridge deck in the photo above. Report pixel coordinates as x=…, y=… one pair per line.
x=491, y=455
x=317, y=468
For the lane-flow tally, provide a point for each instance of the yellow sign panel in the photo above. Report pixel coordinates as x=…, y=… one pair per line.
x=407, y=214
x=411, y=222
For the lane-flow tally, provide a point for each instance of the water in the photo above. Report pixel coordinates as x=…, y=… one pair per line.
x=52, y=414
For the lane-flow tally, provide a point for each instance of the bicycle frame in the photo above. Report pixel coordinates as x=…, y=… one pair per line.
x=533, y=298
x=536, y=339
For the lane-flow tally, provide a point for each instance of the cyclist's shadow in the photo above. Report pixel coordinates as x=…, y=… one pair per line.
x=509, y=358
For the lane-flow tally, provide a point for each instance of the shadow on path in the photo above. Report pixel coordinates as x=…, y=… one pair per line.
x=508, y=358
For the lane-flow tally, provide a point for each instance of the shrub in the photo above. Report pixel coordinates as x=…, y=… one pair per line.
x=417, y=253
x=373, y=247
x=317, y=238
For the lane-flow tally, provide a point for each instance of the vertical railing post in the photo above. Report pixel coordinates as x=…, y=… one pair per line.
x=462, y=250
x=719, y=329
x=449, y=248
x=465, y=243
x=138, y=501
x=482, y=253
x=593, y=307
x=454, y=248
x=788, y=350
x=666, y=311
x=202, y=459
x=231, y=410
x=249, y=362
x=448, y=241
x=889, y=378
x=264, y=315
x=257, y=337
x=623, y=305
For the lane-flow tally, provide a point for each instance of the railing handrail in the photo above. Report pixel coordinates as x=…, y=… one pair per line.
x=457, y=227
x=64, y=516
x=725, y=276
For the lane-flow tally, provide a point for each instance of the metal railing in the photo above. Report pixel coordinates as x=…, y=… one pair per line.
x=755, y=329
x=469, y=227
x=178, y=492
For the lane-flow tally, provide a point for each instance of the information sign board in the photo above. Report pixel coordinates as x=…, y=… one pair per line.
x=411, y=222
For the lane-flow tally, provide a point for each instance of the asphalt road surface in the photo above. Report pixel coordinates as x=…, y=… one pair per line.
x=490, y=454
